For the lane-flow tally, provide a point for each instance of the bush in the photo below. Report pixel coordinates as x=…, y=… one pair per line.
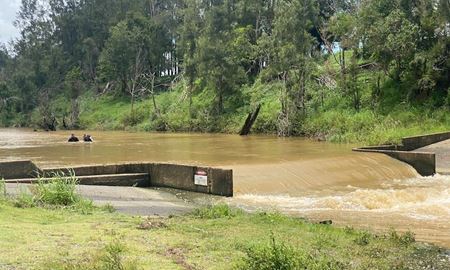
x=270, y=256
x=216, y=211
x=279, y=256
x=406, y=238
x=363, y=238
x=58, y=192
x=61, y=190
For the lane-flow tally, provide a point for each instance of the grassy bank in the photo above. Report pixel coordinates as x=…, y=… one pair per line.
x=217, y=237
x=329, y=122
x=338, y=124
x=385, y=111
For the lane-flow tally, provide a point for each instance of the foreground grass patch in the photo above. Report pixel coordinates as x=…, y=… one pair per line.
x=59, y=191
x=40, y=238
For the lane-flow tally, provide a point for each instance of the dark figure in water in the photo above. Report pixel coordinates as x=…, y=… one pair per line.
x=87, y=138
x=73, y=138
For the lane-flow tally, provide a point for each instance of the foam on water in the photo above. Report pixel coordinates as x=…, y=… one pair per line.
x=420, y=198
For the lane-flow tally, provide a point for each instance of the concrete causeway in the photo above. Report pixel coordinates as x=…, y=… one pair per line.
x=128, y=200
x=134, y=188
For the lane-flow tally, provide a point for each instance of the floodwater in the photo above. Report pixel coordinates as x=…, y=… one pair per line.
x=293, y=175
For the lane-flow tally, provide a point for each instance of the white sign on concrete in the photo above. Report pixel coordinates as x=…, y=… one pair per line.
x=201, y=178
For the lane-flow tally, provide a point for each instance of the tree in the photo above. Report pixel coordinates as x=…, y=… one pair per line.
x=293, y=49
x=136, y=47
x=216, y=65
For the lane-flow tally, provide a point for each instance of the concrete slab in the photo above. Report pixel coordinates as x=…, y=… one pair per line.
x=442, y=151
x=129, y=200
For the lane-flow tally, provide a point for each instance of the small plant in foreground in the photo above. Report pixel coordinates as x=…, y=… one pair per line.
x=111, y=257
x=56, y=192
x=216, y=211
x=406, y=238
x=280, y=256
x=25, y=200
x=60, y=190
x=108, y=208
x=363, y=238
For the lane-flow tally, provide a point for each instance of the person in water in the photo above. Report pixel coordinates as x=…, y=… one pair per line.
x=73, y=138
x=88, y=138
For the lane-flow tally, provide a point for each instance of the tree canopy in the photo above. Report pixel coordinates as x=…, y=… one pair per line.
x=70, y=47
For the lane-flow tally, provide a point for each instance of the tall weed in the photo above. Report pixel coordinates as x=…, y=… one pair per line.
x=60, y=190
x=280, y=256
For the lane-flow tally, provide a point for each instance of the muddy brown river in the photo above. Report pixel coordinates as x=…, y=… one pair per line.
x=296, y=176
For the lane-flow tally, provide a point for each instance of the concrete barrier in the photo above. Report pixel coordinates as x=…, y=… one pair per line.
x=416, y=142
x=18, y=169
x=103, y=169
x=219, y=182
x=423, y=163
x=216, y=181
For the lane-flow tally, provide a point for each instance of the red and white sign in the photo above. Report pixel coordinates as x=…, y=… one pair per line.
x=201, y=178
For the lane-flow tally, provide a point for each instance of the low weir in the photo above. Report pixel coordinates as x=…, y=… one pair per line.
x=423, y=162
x=184, y=177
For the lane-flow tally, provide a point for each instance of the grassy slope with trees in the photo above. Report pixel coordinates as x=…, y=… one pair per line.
x=349, y=71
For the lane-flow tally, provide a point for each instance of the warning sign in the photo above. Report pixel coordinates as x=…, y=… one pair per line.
x=201, y=178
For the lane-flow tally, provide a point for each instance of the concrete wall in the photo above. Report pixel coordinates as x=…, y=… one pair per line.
x=424, y=163
x=416, y=142
x=220, y=182
x=103, y=169
x=380, y=147
x=18, y=169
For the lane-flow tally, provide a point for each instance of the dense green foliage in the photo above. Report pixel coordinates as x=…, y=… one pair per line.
x=342, y=70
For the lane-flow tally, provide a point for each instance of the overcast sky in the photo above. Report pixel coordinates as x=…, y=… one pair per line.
x=8, y=10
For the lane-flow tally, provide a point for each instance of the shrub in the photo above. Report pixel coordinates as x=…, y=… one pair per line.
x=406, y=238
x=270, y=256
x=363, y=238
x=60, y=190
x=279, y=256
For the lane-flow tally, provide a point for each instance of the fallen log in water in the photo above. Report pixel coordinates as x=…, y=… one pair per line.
x=251, y=118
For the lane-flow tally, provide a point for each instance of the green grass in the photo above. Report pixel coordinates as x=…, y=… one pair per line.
x=41, y=238
x=57, y=192
x=335, y=121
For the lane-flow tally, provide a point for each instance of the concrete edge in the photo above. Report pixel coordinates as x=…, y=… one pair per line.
x=416, y=142
x=219, y=181
x=423, y=163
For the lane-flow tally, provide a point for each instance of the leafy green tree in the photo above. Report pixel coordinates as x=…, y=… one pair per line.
x=216, y=64
x=293, y=49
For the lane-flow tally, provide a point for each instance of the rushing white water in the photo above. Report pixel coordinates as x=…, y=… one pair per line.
x=420, y=204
